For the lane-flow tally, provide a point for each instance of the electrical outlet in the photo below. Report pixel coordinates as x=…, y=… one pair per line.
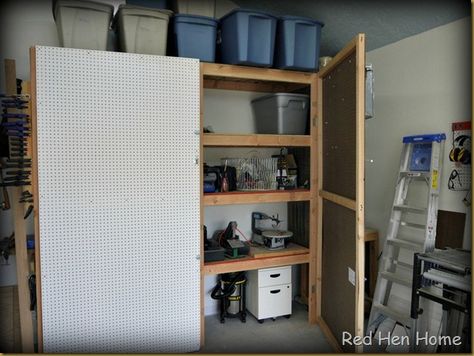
x=351, y=276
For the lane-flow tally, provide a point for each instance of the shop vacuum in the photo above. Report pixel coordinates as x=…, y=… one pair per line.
x=230, y=290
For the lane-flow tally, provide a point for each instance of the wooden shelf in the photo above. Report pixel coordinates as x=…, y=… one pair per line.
x=233, y=140
x=225, y=76
x=260, y=258
x=256, y=197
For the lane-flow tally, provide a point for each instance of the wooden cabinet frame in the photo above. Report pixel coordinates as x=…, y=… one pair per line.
x=221, y=76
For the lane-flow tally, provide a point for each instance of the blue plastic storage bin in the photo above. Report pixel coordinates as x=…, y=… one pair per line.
x=297, y=43
x=154, y=4
x=248, y=37
x=194, y=37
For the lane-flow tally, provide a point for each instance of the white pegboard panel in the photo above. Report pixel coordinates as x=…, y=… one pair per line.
x=119, y=201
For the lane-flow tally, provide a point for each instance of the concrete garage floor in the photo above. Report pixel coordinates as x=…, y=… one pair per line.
x=283, y=335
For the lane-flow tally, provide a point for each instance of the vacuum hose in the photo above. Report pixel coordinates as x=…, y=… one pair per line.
x=229, y=286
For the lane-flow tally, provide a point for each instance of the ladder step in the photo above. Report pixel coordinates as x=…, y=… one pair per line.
x=406, y=244
x=410, y=209
x=393, y=314
x=413, y=225
x=407, y=266
x=415, y=174
x=395, y=278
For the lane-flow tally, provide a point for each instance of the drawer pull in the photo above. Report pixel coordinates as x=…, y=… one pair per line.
x=276, y=291
x=275, y=275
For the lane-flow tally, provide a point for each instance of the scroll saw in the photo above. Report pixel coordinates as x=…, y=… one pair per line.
x=271, y=239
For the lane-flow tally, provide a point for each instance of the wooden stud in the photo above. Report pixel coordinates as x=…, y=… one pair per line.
x=233, y=140
x=249, y=85
x=256, y=197
x=320, y=162
x=34, y=180
x=313, y=207
x=248, y=263
x=216, y=70
x=341, y=55
x=360, y=231
x=329, y=335
x=201, y=203
x=22, y=260
x=338, y=199
x=263, y=252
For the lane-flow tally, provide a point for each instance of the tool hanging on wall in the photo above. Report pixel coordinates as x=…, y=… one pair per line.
x=16, y=169
x=411, y=229
x=461, y=156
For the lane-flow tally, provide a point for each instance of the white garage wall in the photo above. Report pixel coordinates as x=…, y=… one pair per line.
x=422, y=85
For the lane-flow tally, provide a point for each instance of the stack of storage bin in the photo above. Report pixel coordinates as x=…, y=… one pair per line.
x=83, y=24
x=258, y=39
x=298, y=41
x=143, y=30
x=281, y=113
x=193, y=30
x=194, y=36
x=248, y=38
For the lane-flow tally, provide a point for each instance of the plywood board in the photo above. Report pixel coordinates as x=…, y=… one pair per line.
x=291, y=249
x=116, y=196
x=339, y=129
x=341, y=199
x=450, y=229
x=339, y=244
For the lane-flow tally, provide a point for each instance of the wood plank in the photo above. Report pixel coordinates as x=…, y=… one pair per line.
x=341, y=55
x=218, y=70
x=22, y=265
x=360, y=156
x=319, y=165
x=313, y=298
x=249, y=263
x=329, y=335
x=254, y=86
x=338, y=199
x=10, y=76
x=255, y=197
x=291, y=249
x=260, y=140
x=371, y=235
x=201, y=208
x=34, y=180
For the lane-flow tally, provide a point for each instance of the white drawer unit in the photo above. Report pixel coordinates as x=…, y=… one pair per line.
x=269, y=292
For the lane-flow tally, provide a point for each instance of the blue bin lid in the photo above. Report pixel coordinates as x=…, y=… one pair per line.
x=203, y=20
x=424, y=138
x=250, y=11
x=301, y=18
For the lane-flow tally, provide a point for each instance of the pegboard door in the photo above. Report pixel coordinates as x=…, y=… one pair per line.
x=118, y=201
x=341, y=200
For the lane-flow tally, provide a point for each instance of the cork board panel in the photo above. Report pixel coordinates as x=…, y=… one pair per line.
x=450, y=229
x=298, y=222
x=339, y=246
x=339, y=129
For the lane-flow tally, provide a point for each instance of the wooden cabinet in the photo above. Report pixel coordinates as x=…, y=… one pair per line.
x=336, y=193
